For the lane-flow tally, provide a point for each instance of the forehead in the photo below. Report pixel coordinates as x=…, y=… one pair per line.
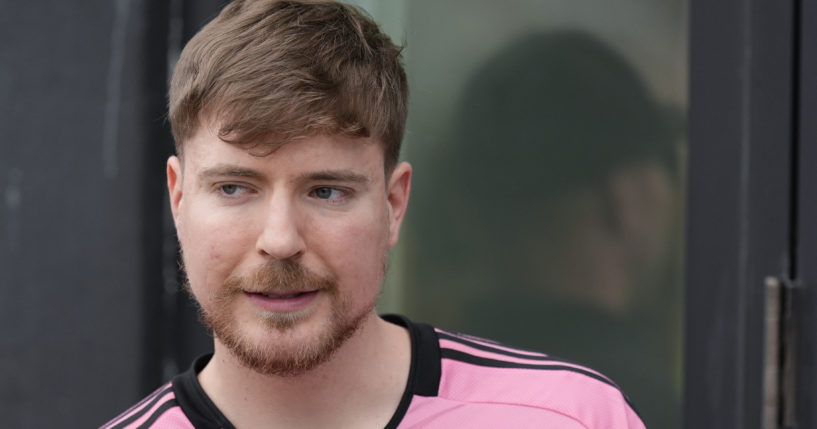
x=317, y=152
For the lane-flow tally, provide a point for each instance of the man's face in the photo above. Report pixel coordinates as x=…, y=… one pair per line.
x=285, y=252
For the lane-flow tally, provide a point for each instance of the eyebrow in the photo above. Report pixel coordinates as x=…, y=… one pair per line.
x=225, y=170
x=334, y=176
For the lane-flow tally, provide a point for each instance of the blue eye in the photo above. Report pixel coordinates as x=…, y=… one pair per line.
x=329, y=193
x=325, y=193
x=229, y=189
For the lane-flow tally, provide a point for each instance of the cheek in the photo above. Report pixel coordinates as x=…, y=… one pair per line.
x=356, y=249
x=211, y=249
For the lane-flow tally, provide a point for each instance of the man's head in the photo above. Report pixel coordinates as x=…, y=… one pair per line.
x=584, y=161
x=268, y=72
x=287, y=194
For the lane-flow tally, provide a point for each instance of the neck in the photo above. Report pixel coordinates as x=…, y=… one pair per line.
x=359, y=386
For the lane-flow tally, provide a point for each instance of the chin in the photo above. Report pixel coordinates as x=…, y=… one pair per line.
x=288, y=344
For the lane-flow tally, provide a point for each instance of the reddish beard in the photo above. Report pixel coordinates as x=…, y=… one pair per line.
x=270, y=356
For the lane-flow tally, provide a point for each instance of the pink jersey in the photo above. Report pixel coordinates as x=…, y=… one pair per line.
x=455, y=381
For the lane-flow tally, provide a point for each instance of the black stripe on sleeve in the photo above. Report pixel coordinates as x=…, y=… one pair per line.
x=158, y=392
x=488, y=348
x=492, y=349
x=135, y=416
x=494, y=363
x=170, y=403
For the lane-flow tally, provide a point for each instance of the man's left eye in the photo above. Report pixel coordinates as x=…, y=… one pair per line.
x=327, y=193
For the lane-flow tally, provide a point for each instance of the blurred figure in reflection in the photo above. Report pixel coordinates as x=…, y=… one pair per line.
x=562, y=185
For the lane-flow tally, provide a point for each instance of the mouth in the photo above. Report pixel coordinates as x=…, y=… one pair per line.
x=289, y=295
x=283, y=302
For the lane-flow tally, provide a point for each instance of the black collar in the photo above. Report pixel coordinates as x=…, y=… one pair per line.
x=423, y=379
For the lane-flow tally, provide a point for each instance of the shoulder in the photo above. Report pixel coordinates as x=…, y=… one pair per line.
x=479, y=371
x=157, y=410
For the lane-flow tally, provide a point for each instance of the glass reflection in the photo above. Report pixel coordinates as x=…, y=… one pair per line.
x=556, y=215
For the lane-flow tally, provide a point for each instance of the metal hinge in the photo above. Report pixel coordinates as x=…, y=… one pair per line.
x=779, y=377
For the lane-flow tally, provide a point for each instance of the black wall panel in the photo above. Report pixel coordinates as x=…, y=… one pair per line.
x=805, y=295
x=739, y=222
x=81, y=159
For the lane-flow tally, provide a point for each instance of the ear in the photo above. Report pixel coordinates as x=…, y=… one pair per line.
x=174, y=186
x=397, y=199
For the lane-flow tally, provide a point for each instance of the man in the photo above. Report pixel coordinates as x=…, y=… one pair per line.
x=287, y=195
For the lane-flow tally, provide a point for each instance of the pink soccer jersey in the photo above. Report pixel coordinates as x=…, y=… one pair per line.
x=455, y=381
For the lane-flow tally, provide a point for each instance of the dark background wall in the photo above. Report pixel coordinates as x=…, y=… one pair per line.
x=750, y=285
x=88, y=300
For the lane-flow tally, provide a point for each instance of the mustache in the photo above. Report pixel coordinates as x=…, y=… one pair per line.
x=280, y=276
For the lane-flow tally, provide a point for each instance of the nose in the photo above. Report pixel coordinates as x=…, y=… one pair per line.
x=281, y=236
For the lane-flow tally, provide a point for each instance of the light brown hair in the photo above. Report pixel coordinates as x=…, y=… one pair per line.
x=270, y=71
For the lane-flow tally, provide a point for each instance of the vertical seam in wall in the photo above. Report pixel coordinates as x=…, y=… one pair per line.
x=113, y=90
x=745, y=76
